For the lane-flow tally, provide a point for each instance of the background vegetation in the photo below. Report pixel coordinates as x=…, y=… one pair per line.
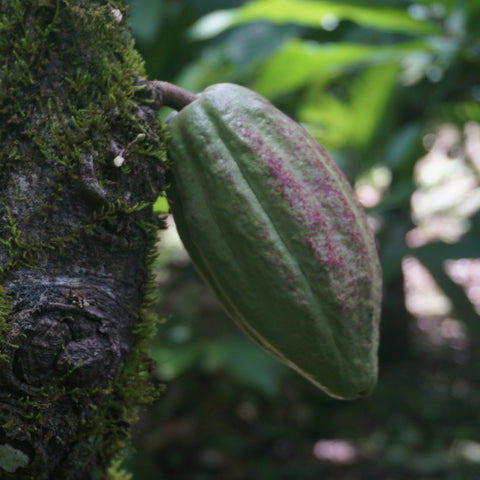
x=392, y=90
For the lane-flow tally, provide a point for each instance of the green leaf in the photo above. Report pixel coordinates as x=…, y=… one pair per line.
x=173, y=361
x=312, y=14
x=161, y=205
x=355, y=121
x=299, y=62
x=242, y=360
x=213, y=24
x=245, y=362
x=251, y=366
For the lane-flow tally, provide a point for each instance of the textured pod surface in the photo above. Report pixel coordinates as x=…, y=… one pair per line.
x=274, y=228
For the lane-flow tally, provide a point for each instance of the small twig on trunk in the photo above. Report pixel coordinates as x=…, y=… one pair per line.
x=169, y=95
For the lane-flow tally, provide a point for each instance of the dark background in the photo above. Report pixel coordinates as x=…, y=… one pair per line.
x=392, y=90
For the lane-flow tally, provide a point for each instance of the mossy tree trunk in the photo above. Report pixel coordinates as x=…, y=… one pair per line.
x=82, y=161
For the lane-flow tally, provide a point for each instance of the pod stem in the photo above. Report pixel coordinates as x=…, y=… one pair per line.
x=170, y=95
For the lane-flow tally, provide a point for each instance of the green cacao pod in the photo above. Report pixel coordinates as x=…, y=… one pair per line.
x=274, y=228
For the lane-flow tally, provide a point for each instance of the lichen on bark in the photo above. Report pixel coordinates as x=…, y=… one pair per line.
x=77, y=236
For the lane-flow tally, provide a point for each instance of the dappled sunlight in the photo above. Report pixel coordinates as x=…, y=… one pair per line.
x=423, y=297
x=335, y=451
x=171, y=250
x=467, y=450
x=447, y=196
x=372, y=186
x=432, y=309
x=448, y=185
x=466, y=272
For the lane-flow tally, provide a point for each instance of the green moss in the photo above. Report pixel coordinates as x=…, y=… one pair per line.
x=97, y=104
x=76, y=114
x=11, y=459
x=5, y=308
x=116, y=472
x=133, y=383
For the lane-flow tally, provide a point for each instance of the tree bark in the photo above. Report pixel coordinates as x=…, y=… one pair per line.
x=82, y=161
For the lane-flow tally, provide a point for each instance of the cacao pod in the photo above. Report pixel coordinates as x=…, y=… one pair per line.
x=274, y=228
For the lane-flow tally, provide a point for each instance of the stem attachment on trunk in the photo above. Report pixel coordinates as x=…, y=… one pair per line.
x=170, y=95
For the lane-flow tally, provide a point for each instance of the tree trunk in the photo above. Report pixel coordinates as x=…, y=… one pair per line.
x=82, y=161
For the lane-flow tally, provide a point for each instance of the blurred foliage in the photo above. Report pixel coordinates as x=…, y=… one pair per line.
x=392, y=90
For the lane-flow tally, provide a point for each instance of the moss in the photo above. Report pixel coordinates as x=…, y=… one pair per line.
x=116, y=472
x=87, y=109
x=5, y=308
x=11, y=458
x=96, y=106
